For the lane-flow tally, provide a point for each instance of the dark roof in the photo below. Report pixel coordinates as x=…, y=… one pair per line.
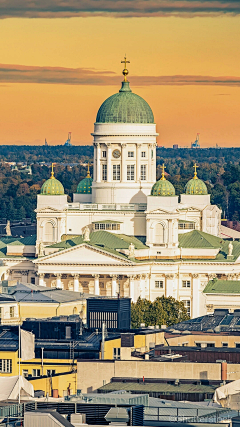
x=156, y=387
x=220, y=321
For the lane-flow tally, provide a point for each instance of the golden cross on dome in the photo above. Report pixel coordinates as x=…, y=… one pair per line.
x=195, y=171
x=163, y=173
x=52, y=173
x=125, y=71
x=88, y=172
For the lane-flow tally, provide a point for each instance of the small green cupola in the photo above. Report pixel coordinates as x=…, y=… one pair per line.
x=52, y=187
x=85, y=185
x=196, y=186
x=163, y=187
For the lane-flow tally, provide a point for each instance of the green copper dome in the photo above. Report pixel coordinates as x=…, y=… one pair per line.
x=52, y=187
x=163, y=187
x=196, y=186
x=125, y=107
x=85, y=186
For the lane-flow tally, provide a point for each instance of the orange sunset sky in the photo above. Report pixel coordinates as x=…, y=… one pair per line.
x=57, y=67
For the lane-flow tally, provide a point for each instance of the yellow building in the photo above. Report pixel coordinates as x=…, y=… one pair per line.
x=22, y=301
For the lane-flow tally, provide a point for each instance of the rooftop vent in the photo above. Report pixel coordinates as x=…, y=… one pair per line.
x=221, y=311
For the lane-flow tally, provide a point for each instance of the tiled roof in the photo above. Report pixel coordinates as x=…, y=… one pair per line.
x=157, y=387
x=222, y=287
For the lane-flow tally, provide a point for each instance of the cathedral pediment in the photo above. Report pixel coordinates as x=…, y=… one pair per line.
x=163, y=211
x=49, y=209
x=83, y=254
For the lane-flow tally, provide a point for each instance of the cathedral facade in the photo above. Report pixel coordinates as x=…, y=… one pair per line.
x=124, y=233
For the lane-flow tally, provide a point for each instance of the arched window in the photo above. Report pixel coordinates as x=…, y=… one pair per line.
x=159, y=233
x=49, y=232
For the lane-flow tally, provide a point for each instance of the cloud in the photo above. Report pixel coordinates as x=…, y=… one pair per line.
x=117, y=8
x=83, y=76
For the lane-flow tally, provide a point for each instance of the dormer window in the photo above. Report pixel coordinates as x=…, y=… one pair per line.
x=107, y=225
x=186, y=225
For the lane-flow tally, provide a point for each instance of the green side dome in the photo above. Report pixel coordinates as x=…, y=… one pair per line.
x=125, y=107
x=52, y=187
x=196, y=186
x=85, y=186
x=163, y=188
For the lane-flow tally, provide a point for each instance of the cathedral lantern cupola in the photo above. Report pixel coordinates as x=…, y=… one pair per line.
x=124, y=148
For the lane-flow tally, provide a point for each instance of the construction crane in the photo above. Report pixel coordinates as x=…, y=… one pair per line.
x=196, y=144
x=68, y=142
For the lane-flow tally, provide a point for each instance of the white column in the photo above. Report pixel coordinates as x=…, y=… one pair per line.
x=132, y=288
x=76, y=283
x=109, y=163
x=59, y=282
x=195, y=295
x=138, y=167
x=149, y=171
x=94, y=163
x=169, y=285
x=98, y=162
x=142, y=286
x=114, y=286
x=123, y=165
x=170, y=231
x=96, y=284
x=41, y=280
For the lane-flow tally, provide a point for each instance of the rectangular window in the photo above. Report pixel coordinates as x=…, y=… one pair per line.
x=6, y=365
x=186, y=226
x=186, y=283
x=143, y=154
x=237, y=344
x=104, y=172
x=12, y=311
x=117, y=353
x=96, y=226
x=116, y=172
x=108, y=226
x=104, y=154
x=187, y=305
x=50, y=372
x=151, y=154
x=102, y=226
x=224, y=344
x=131, y=154
x=33, y=280
x=210, y=344
x=36, y=373
x=130, y=172
x=143, y=172
x=159, y=284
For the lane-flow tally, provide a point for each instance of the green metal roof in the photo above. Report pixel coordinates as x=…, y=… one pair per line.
x=162, y=388
x=104, y=240
x=9, y=240
x=199, y=239
x=222, y=287
x=125, y=107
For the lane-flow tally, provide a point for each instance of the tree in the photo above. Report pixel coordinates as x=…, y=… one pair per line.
x=162, y=311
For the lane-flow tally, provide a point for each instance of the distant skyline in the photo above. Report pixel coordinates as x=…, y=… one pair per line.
x=59, y=66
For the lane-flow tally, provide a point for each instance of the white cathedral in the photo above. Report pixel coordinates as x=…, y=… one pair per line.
x=124, y=233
